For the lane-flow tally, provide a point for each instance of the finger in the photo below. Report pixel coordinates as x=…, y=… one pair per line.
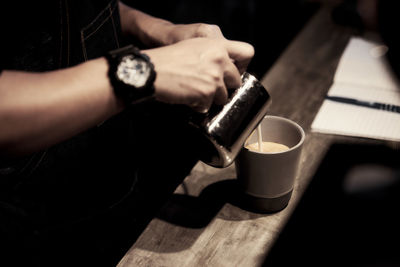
x=215, y=31
x=209, y=30
x=241, y=53
x=202, y=102
x=232, y=76
x=199, y=107
x=221, y=95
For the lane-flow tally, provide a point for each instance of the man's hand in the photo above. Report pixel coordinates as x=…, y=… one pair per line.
x=195, y=63
x=197, y=72
x=180, y=32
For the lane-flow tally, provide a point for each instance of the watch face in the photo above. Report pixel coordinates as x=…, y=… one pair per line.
x=133, y=71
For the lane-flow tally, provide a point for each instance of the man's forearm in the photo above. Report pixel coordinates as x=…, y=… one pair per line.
x=41, y=109
x=150, y=30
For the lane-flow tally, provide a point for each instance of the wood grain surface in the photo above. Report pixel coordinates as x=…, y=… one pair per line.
x=202, y=226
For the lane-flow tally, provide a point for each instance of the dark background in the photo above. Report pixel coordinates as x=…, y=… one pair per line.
x=268, y=25
x=344, y=219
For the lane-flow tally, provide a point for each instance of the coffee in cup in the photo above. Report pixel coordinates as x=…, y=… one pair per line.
x=267, y=147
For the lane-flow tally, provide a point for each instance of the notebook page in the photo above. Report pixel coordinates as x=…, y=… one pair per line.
x=362, y=75
x=363, y=63
x=352, y=120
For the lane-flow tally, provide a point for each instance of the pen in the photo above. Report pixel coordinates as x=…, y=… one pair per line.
x=368, y=104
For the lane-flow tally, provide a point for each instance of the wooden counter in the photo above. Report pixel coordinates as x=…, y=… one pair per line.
x=200, y=226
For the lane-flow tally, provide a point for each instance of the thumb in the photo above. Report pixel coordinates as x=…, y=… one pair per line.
x=241, y=53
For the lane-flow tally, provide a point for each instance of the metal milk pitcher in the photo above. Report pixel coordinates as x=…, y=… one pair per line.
x=224, y=129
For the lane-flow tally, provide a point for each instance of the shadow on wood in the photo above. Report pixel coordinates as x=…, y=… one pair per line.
x=197, y=212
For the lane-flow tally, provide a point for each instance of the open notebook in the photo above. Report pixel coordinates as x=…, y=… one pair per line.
x=364, y=99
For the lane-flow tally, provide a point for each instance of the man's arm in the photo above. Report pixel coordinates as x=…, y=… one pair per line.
x=155, y=32
x=40, y=109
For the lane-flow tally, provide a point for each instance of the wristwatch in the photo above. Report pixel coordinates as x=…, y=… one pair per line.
x=131, y=74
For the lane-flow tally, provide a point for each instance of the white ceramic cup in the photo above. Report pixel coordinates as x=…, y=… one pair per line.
x=267, y=179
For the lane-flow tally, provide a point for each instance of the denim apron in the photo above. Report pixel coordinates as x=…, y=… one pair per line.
x=85, y=201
